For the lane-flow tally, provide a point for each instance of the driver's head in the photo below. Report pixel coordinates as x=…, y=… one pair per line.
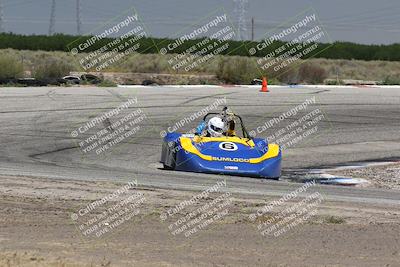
x=216, y=127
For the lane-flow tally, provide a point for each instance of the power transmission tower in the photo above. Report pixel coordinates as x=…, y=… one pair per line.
x=1, y=17
x=78, y=17
x=252, y=29
x=240, y=11
x=52, y=18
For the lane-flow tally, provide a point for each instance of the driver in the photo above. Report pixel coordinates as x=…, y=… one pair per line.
x=223, y=125
x=215, y=127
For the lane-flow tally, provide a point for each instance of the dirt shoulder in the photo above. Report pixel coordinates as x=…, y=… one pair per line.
x=37, y=229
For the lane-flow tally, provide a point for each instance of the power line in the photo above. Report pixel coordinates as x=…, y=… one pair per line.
x=78, y=17
x=17, y=3
x=252, y=28
x=241, y=7
x=52, y=18
x=383, y=13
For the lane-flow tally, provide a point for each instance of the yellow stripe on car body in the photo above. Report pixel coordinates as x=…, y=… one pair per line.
x=186, y=143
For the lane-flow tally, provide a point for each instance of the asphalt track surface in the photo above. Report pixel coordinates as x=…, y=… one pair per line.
x=36, y=123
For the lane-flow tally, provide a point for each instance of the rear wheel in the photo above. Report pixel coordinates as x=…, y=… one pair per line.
x=166, y=167
x=170, y=158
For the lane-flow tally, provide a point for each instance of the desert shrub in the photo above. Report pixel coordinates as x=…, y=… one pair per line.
x=274, y=81
x=143, y=63
x=312, y=74
x=334, y=220
x=10, y=67
x=237, y=70
x=389, y=80
x=334, y=82
x=288, y=75
x=337, y=50
x=48, y=68
x=107, y=83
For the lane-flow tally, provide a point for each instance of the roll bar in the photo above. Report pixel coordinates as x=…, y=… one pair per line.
x=244, y=130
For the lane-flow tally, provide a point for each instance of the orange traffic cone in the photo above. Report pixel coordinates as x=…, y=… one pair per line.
x=264, y=87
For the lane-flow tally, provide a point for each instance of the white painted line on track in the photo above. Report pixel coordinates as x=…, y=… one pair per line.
x=331, y=87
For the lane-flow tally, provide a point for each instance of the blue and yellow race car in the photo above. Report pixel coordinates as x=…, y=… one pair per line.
x=225, y=154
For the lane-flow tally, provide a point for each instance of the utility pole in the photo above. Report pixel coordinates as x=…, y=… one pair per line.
x=1, y=17
x=52, y=18
x=252, y=29
x=240, y=12
x=78, y=17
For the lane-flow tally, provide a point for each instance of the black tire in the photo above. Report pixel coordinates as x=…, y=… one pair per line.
x=168, y=157
x=173, y=156
x=166, y=167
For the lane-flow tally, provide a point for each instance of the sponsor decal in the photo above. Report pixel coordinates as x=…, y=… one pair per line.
x=230, y=159
x=231, y=167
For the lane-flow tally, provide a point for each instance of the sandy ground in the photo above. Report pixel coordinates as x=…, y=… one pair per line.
x=37, y=230
x=37, y=223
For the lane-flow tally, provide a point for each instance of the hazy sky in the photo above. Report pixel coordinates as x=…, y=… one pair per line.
x=362, y=21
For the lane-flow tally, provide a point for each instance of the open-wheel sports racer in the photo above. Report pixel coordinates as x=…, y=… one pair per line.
x=216, y=148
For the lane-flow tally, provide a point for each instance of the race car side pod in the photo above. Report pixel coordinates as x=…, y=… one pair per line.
x=264, y=87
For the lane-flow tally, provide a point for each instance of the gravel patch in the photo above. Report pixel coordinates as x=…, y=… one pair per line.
x=387, y=176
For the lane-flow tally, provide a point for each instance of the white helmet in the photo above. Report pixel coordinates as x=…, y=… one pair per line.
x=216, y=127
